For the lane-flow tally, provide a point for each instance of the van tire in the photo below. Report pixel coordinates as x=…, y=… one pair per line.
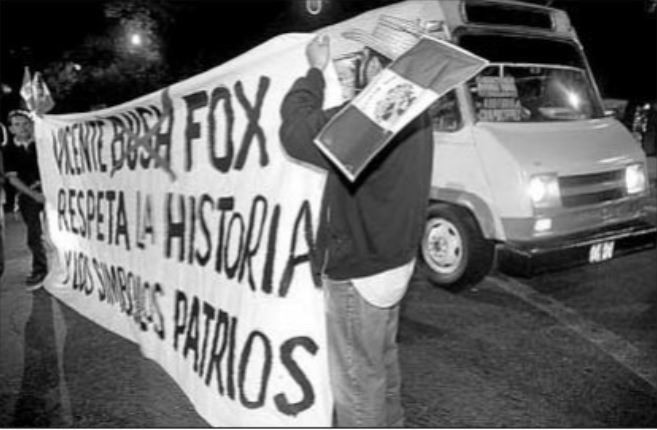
x=454, y=254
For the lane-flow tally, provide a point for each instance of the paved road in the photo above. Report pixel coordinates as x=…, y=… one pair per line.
x=575, y=348
x=571, y=349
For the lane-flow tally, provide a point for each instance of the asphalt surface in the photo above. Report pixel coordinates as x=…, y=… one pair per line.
x=491, y=357
x=94, y=379
x=486, y=357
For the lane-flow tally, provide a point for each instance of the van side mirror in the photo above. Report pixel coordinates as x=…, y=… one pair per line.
x=614, y=108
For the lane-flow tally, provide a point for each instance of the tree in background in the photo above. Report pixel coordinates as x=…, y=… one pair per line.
x=129, y=48
x=125, y=61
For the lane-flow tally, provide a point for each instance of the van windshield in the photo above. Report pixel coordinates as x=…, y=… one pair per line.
x=532, y=93
x=530, y=80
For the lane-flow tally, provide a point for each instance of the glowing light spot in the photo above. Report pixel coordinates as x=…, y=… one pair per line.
x=574, y=100
x=314, y=7
x=136, y=39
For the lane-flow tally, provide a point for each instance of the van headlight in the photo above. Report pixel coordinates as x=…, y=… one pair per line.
x=544, y=190
x=635, y=178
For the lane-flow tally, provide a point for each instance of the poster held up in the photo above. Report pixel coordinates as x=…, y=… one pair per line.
x=429, y=69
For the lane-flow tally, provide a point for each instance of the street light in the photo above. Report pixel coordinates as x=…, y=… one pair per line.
x=314, y=7
x=136, y=39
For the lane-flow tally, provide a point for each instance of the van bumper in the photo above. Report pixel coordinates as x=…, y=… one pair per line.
x=531, y=258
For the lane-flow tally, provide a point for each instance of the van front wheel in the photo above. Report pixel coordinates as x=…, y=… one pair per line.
x=454, y=253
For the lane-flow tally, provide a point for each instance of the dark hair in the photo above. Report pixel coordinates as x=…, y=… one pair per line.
x=362, y=66
x=18, y=112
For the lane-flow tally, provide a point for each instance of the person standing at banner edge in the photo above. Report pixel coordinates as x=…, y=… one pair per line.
x=368, y=235
x=22, y=172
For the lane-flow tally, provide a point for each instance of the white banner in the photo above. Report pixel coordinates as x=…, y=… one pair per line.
x=199, y=254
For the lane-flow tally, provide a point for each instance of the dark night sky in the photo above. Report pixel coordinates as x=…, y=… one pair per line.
x=619, y=36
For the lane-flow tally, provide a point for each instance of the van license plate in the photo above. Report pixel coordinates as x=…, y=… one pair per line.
x=601, y=251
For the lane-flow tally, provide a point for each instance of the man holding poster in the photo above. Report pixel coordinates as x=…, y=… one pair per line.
x=372, y=215
x=366, y=245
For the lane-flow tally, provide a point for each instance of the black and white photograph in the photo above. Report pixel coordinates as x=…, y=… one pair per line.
x=328, y=213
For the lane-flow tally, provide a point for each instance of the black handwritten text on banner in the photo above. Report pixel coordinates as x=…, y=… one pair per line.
x=182, y=225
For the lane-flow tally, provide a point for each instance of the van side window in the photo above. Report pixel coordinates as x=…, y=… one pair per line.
x=445, y=113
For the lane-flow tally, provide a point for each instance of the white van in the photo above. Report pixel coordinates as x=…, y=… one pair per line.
x=529, y=170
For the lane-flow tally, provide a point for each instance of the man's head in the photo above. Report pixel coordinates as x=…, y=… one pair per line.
x=20, y=125
x=372, y=64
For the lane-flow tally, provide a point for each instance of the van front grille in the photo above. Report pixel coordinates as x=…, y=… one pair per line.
x=582, y=190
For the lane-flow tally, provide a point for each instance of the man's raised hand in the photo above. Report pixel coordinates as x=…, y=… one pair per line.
x=318, y=52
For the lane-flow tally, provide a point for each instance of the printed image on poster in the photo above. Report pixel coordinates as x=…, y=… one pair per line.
x=397, y=95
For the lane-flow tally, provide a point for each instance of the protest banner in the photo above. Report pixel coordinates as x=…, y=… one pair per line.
x=180, y=223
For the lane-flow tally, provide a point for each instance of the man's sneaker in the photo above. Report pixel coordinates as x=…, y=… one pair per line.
x=35, y=279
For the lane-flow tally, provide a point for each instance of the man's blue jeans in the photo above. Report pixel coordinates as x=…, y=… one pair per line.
x=363, y=360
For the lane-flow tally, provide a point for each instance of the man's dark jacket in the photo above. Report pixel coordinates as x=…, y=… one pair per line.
x=24, y=162
x=376, y=223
